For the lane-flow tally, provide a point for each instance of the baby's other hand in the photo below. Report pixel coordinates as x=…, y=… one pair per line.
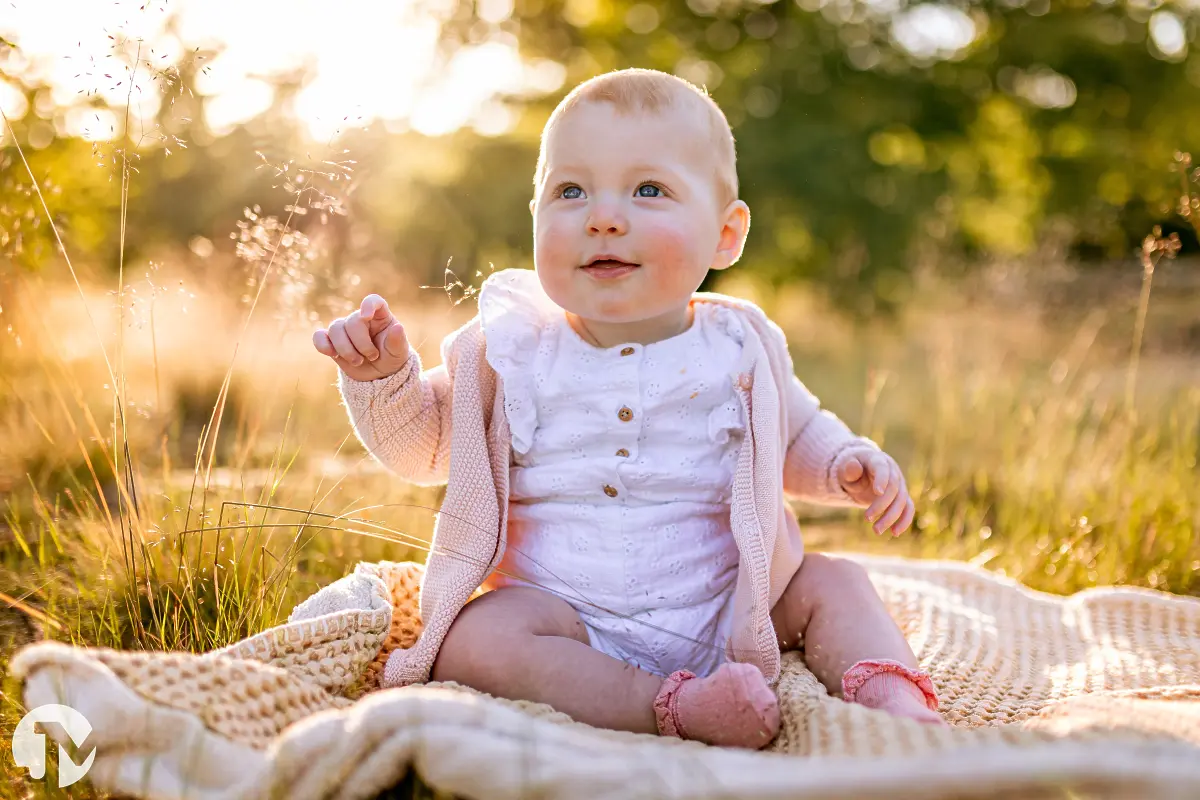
x=874, y=478
x=368, y=344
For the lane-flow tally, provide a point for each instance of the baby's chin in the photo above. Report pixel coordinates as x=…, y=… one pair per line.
x=627, y=301
x=631, y=311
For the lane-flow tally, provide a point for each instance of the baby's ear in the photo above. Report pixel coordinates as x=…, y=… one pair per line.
x=734, y=228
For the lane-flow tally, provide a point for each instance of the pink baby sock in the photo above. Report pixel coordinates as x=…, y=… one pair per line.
x=733, y=707
x=892, y=687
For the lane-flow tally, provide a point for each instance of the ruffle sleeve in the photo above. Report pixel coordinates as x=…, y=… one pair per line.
x=724, y=420
x=725, y=321
x=727, y=417
x=514, y=312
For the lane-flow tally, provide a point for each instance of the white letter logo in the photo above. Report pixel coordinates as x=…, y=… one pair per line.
x=29, y=746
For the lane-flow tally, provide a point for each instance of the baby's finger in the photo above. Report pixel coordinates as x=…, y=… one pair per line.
x=895, y=475
x=373, y=305
x=392, y=341
x=890, y=516
x=374, y=310
x=360, y=336
x=850, y=471
x=880, y=467
x=890, y=492
x=343, y=345
x=322, y=343
x=906, y=519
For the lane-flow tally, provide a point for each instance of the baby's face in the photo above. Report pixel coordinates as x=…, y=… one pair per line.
x=640, y=188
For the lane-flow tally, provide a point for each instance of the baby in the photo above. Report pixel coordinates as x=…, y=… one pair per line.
x=617, y=447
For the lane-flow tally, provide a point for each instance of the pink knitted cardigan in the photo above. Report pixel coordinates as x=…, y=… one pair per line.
x=447, y=425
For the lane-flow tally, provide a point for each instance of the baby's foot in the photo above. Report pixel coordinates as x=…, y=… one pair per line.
x=733, y=707
x=892, y=687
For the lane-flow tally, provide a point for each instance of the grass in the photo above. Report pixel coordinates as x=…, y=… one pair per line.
x=177, y=472
x=1014, y=433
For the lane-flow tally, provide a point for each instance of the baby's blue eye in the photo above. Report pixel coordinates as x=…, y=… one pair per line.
x=572, y=196
x=648, y=186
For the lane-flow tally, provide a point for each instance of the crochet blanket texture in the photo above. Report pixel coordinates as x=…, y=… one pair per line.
x=1097, y=693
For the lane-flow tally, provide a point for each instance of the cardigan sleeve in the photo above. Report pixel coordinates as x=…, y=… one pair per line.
x=404, y=420
x=818, y=443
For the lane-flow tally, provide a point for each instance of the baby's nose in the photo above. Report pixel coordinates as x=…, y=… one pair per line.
x=606, y=216
x=607, y=223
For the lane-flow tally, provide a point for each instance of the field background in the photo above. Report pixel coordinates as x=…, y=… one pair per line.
x=968, y=231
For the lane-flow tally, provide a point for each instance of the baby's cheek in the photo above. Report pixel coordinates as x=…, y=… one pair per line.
x=676, y=250
x=552, y=246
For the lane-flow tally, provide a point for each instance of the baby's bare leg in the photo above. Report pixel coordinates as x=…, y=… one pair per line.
x=832, y=605
x=526, y=644
x=522, y=643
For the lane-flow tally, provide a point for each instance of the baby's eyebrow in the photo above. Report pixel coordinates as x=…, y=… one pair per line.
x=639, y=168
x=650, y=168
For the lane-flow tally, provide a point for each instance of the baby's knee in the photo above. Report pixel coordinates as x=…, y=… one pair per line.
x=491, y=630
x=820, y=576
x=834, y=568
x=459, y=655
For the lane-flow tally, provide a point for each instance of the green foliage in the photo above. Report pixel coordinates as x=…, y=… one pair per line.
x=852, y=150
x=859, y=159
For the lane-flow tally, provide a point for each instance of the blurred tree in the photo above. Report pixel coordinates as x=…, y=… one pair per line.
x=865, y=127
x=873, y=135
x=78, y=195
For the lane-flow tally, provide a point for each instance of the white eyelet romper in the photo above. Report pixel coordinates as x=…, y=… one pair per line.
x=621, y=478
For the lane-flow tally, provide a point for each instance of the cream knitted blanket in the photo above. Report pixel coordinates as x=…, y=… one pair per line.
x=1098, y=693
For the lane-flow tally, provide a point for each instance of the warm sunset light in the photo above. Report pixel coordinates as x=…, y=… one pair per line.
x=814, y=381
x=367, y=60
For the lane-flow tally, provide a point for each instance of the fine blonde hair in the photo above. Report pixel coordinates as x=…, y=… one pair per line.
x=649, y=90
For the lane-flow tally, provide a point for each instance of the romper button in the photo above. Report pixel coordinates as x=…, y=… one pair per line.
x=625, y=414
x=744, y=380
x=623, y=453
x=610, y=491
x=627, y=351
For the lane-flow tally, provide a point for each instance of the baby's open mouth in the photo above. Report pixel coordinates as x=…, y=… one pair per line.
x=609, y=263
x=609, y=269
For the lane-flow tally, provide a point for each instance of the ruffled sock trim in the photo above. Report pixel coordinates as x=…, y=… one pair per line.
x=863, y=671
x=666, y=704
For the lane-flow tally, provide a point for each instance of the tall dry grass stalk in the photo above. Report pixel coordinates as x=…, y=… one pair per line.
x=126, y=523
x=1154, y=248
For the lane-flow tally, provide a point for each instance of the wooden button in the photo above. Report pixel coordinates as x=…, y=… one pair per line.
x=745, y=381
x=623, y=453
x=625, y=414
x=610, y=491
x=627, y=351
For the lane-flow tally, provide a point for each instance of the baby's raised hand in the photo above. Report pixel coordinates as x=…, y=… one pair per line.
x=874, y=478
x=368, y=344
